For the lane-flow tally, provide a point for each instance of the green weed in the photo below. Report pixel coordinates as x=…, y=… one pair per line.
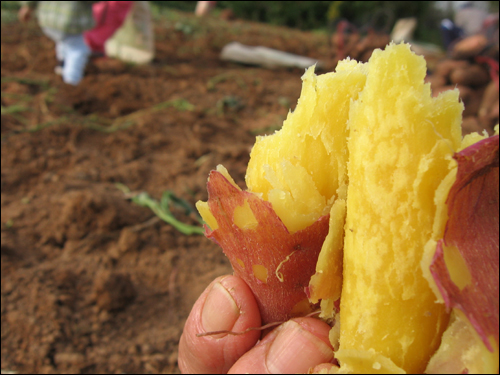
x=93, y=121
x=179, y=104
x=223, y=77
x=284, y=102
x=43, y=125
x=9, y=11
x=43, y=83
x=162, y=209
x=20, y=97
x=229, y=102
x=16, y=108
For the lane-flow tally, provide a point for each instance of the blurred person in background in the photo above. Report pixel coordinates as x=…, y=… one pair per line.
x=64, y=22
x=109, y=17
x=204, y=7
x=468, y=21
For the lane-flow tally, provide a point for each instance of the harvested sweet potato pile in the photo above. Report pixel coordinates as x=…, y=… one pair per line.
x=472, y=67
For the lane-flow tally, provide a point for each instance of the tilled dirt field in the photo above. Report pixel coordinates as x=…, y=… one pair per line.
x=91, y=282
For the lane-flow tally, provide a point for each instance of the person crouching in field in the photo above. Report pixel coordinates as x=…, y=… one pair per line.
x=64, y=22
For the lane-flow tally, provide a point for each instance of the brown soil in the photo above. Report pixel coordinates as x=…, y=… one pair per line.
x=91, y=282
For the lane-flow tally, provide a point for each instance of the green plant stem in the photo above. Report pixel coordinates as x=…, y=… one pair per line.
x=144, y=200
x=161, y=208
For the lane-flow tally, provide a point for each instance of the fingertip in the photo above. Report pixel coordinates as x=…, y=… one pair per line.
x=245, y=300
x=317, y=327
x=296, y=346
x=226, y=304
x=220, y=310
x=324, y=368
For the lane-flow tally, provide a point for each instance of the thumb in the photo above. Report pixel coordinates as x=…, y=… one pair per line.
x=227, y=304
x=296, y=346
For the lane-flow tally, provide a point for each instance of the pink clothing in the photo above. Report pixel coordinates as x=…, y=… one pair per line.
x=109, y=16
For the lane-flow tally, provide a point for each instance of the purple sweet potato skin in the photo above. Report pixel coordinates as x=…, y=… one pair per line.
x=473, y=228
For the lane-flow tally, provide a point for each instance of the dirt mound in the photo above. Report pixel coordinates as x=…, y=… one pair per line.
x=92, y=282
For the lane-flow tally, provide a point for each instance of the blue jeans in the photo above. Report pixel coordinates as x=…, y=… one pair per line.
x=450, y=32
x=72, y=49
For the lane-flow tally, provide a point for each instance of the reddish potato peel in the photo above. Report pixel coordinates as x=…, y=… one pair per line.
x=472, y=228
x=290, y=259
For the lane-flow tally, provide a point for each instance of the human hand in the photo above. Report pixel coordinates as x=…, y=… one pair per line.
x=228, y=304
x=24, y=13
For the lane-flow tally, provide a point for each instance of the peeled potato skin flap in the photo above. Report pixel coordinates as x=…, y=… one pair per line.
x=276, y=264
x=473, y=199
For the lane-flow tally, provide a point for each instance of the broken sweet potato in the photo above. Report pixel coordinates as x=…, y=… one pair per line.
x=351, y=195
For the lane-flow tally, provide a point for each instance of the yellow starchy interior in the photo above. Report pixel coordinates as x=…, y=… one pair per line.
x=365, y=362
x=455, y=263
x=326, y=283
x=401, y=146
x=462, y=349
x=244, y=217
x=304, y=165
x=260, y=272
x=207, y=215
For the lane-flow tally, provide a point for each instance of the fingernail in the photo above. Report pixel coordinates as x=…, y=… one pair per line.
x=295, y=350
x=220, y=311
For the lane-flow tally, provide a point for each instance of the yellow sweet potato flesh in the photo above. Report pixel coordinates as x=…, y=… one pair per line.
x=462, y=351
x=304, y=165
x=326, y=283
x=207, y=215
x=400, y=148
